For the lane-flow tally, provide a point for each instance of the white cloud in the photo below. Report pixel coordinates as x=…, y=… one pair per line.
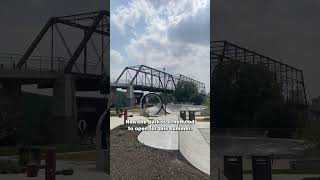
x=115, y=57
x=116, y=65
x=170, y=39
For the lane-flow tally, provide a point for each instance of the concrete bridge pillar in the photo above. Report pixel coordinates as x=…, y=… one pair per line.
x=130, y=94
x=64, y=111
x=113, y=92
x=10, y=92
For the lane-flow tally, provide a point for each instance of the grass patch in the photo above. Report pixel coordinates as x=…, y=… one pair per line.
x=8, y=151
x=134, y=110
x=203, y=119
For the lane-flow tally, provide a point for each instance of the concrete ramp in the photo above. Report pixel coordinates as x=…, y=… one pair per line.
x=176, y=108
x=173, y=108
x=161, y=139
x=194, y=145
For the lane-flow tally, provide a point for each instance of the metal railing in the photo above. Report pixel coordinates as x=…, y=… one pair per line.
x=48, y=64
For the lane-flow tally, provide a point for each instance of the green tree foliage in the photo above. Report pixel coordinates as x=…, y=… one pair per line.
x=168, y=97
x=247, y=95
x=120, y=100
x=187, y=92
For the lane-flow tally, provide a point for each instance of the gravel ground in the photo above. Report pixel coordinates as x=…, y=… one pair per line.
x=131, y=160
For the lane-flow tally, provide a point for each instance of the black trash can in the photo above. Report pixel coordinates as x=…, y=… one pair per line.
x=183, y=115
x=192, y=115
x=233, y=167
x=261, y=168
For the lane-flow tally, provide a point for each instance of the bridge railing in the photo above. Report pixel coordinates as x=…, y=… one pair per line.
x=47, y=64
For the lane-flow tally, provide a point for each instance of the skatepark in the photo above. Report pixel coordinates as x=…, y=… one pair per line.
x=192, y=144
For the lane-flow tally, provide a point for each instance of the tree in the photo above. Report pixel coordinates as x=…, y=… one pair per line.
x=245, y=94
x=120, y=100
x=187, y=92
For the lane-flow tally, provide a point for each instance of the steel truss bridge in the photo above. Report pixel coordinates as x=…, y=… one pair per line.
x=84, y=55
x=149, y=79
x=74, y=44
x=69, y=54
x=290, y=78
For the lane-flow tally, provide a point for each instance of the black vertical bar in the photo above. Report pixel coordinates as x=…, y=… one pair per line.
x=292, y=83
x=52, y=31
x=297, y=87
x=151, y=78
x=102, y=48
x=85, y=57
x=287, y=93
x=281, y=83
x=145, y=79
x=304, y=89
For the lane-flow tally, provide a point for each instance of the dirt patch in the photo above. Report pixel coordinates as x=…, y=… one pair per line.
x=132, y=160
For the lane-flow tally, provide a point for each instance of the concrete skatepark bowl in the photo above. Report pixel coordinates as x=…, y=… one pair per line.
x=193, y=144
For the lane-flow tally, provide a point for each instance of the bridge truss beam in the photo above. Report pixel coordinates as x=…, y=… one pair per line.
x=290, y=78
x=142, y=75
x=90, y=23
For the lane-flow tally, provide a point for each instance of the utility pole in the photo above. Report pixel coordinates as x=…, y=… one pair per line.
x=166, y=85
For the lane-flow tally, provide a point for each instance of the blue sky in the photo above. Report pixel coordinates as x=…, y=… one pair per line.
x=161, y=34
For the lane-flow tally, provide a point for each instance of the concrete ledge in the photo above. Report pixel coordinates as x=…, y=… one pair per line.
x=195, y=148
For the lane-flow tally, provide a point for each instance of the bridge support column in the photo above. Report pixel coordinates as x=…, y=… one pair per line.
x=113, y=92
x=130, y=95
x=64, y=111
x=10, y=92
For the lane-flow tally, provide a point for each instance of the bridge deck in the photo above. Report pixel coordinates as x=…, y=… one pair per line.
x=141, y=87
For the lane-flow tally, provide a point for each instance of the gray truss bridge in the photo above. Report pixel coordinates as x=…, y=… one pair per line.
x=69, y=54
x=290, y=78
x=145, y=78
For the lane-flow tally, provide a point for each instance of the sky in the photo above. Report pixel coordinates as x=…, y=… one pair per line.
x=169, y=34
x=21, y=21
x=287, y=30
